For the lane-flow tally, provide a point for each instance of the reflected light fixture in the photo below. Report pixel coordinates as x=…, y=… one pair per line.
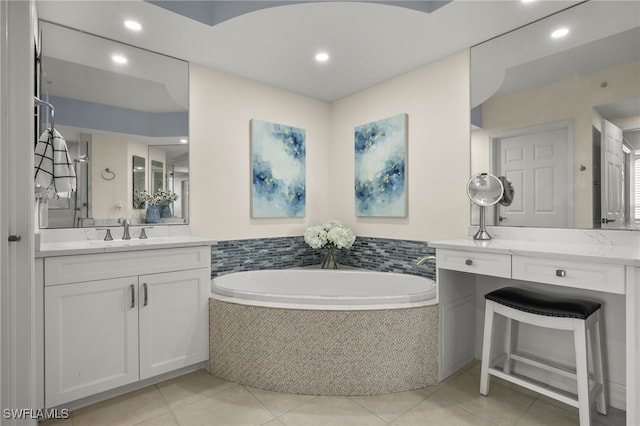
x=133, y=25
x=560, y=32
x=183, y=141
x=322, y=57
x=119, y=59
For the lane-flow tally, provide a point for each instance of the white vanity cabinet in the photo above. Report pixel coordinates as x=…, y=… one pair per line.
x=115, y=318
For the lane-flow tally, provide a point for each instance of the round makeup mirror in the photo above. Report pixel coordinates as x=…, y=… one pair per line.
x=485, y=190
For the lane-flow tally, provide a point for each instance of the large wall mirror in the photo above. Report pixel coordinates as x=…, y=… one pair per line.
x=560, y=117
x=123, y=112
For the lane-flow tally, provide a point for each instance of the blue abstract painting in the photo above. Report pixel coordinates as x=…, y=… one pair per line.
x=380, y=167
x=278, y=163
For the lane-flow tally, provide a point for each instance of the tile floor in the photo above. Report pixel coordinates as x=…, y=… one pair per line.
x=202, y=399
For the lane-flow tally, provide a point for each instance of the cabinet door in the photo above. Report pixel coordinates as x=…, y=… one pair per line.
x=174, y=320
x=91, y=338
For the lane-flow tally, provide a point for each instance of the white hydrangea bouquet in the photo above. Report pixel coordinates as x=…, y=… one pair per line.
x=330, y=236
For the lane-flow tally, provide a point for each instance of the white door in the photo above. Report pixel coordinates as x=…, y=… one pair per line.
x=536, y=161
x=91, y=338
x=612, y=198
x=174, y=320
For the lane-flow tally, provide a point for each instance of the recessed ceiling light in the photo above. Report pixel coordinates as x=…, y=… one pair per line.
x=322, y=57
x=119, y=59
x=183, y=141
x=560, y=32
x=133, y=25
x=527, y=1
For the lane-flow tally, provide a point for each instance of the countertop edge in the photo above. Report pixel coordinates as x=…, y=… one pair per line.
x=619, y=255
x=114, y=249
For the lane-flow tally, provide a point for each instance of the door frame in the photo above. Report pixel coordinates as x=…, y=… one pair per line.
x=494, y=160
x=20, y=301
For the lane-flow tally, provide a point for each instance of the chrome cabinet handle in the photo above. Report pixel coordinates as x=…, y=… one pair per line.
x=561, y=273
x=133, y=296
x=468, y=262
x=15, y=238
x=145, y=299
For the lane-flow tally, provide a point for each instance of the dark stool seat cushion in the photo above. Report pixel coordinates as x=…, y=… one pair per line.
x=543, y=304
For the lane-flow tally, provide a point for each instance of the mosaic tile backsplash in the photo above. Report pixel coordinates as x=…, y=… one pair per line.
x=375, y=254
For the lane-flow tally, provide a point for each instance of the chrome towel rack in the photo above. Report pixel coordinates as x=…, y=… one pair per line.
x=39, y=102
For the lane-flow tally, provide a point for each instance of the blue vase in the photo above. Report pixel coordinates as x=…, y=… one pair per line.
x=153, y=214
x=165, y=211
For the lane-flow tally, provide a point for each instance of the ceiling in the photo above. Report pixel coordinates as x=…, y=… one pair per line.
x=368, y=42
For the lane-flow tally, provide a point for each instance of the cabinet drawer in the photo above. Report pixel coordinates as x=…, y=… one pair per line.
x=91, y=267
x=497, y=265
x=589, y=276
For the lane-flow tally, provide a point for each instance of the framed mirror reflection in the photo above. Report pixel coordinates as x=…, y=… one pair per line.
x=123, y=112
x=560, y=117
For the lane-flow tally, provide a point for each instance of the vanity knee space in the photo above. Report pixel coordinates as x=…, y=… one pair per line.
x=468, y=272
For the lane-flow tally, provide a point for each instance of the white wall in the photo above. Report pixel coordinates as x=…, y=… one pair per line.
x=221, y=106
x=436, y=99
x=571, y=99
x=112, y=199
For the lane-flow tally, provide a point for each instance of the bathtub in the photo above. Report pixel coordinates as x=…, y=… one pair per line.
x=324, y=332
x=324, y=289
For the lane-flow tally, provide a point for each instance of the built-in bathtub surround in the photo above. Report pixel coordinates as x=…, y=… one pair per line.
x=308, y=331
x=375, y=254
x=324, y=352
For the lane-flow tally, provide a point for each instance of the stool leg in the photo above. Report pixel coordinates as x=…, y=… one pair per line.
x=582, y=372
x=596, y=350
x=486, y=348
x=510, y=343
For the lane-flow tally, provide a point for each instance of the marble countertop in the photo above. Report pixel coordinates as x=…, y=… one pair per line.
x=67, y=248
x=603, y=253
x=67, y=242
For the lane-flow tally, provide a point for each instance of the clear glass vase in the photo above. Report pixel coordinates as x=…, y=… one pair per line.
x=329, y=261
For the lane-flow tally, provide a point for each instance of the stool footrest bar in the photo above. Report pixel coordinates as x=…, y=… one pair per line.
x=564, y=372
x=536, y=388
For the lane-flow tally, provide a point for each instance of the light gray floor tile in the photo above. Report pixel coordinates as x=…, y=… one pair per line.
x=164, y=420
x=129, y=409
x=201, y=399
x=331, y=411
x=503, y=406
x=389, y=407
x=192, y=387
x=438, y=410
x=272, y=422
x=231, y=407
x=543, y=413
x=57, y=422
x=277, y=402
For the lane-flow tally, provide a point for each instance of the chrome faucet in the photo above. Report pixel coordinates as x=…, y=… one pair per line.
x=425, y=260
x=125, y=222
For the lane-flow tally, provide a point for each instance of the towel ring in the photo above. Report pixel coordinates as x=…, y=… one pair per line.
x=110, y=175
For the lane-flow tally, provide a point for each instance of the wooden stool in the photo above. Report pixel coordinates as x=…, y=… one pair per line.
x=562, y=313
